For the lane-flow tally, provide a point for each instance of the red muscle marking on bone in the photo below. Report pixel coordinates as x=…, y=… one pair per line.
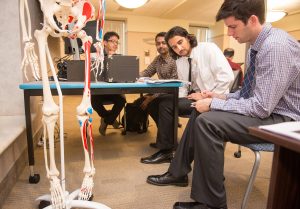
x=87, y=11
x=87, y=46
x=70, y=19
x=91, y=142
x=84, y=135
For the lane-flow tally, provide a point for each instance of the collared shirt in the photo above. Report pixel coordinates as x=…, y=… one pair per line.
x=210, y=69
x=165, y=68
x=277, y=78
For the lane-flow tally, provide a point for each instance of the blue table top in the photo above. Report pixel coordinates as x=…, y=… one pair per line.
x=80, y=85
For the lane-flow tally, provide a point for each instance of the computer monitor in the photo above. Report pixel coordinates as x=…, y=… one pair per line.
x=90, y=29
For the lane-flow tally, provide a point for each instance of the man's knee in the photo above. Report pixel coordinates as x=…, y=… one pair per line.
x=205, y=118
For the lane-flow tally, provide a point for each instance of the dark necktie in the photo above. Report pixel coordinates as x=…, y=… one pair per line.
x=249, y=81
x=190, y=75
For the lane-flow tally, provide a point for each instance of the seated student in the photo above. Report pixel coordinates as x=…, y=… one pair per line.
x=229, y=54
x=108, y=117
x=206, y=67
x=165, y=67
x=270, y=94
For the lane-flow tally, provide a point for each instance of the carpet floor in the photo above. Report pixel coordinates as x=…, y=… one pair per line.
x=120, y=180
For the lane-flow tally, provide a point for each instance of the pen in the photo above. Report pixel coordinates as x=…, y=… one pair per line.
x=214, y=88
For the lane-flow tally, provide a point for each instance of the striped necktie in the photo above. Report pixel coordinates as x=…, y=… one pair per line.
x=249, y=81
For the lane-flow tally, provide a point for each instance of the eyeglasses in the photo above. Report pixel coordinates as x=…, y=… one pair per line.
x=114, y=41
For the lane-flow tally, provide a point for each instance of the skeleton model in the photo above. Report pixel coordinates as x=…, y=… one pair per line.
x=58, y=14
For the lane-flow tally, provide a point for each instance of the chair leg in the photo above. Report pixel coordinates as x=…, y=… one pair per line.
x=252, y=178
x=238, y=153
x=125, y=122
x=179, y=124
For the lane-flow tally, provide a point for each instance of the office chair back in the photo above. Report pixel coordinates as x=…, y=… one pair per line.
x=238, y=76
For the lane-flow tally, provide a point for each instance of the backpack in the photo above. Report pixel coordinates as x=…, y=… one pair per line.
x=135, y=119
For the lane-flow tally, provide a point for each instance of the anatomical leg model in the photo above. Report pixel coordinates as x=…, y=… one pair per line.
x=65, y=12
x=83, y=115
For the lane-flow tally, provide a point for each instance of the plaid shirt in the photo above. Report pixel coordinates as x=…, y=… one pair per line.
x=165, y=68
x=277, y=78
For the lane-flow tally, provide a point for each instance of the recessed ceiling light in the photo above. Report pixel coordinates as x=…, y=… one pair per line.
x=131, y=3
x=275, y=15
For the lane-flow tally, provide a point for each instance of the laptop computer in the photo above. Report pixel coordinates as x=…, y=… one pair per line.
x=117, y=69
x=122, y=69
x=75, y=70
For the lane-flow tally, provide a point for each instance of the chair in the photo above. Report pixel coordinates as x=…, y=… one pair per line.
x=256, y=148
x=238, y=76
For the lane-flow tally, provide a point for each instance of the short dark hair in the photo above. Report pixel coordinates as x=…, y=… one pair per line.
x=229, y=52
x=109, y=34
x=179, y=31
x=242, y=10
x=160, y=34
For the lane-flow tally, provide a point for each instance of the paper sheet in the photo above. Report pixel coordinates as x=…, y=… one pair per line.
x=290, y=129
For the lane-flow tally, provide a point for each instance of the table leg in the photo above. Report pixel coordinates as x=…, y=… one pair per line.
x=284, y=187
x=175, y=114
x=33, y=178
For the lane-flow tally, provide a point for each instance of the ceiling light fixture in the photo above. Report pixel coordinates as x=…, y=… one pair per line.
x=275, y=15
x=131, y=4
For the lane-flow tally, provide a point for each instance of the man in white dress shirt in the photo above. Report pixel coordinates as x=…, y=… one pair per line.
x=202, y=64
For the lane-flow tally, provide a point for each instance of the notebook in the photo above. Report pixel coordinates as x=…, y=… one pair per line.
x=290, y=129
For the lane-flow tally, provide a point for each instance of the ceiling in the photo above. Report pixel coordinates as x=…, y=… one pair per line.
x=192, y=10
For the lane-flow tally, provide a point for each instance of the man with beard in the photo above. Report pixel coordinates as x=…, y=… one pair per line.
x=165, y=67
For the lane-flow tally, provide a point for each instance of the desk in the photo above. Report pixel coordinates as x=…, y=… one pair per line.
x=76, y=88
x=284, y=190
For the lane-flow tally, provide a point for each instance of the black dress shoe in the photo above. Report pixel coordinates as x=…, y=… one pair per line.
x=153, y=145
x=193, y=205
x=162, y=156
x=188, y=205
x=167, y=179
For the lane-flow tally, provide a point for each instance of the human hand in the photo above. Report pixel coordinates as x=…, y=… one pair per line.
x=210, y=94
x=142, y=79
x=202, y=105
x=146, y=101
x=195, y=96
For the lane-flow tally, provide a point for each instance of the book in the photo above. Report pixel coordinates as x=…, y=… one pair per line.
x=159, y=81
x=290, y=129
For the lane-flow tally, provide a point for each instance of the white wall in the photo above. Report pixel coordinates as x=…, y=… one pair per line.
x=11, y=54
x=11, y=97
x=290, y=24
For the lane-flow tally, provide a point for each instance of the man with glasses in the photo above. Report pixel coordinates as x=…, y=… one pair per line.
x=108, y=117
x=110, y=42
